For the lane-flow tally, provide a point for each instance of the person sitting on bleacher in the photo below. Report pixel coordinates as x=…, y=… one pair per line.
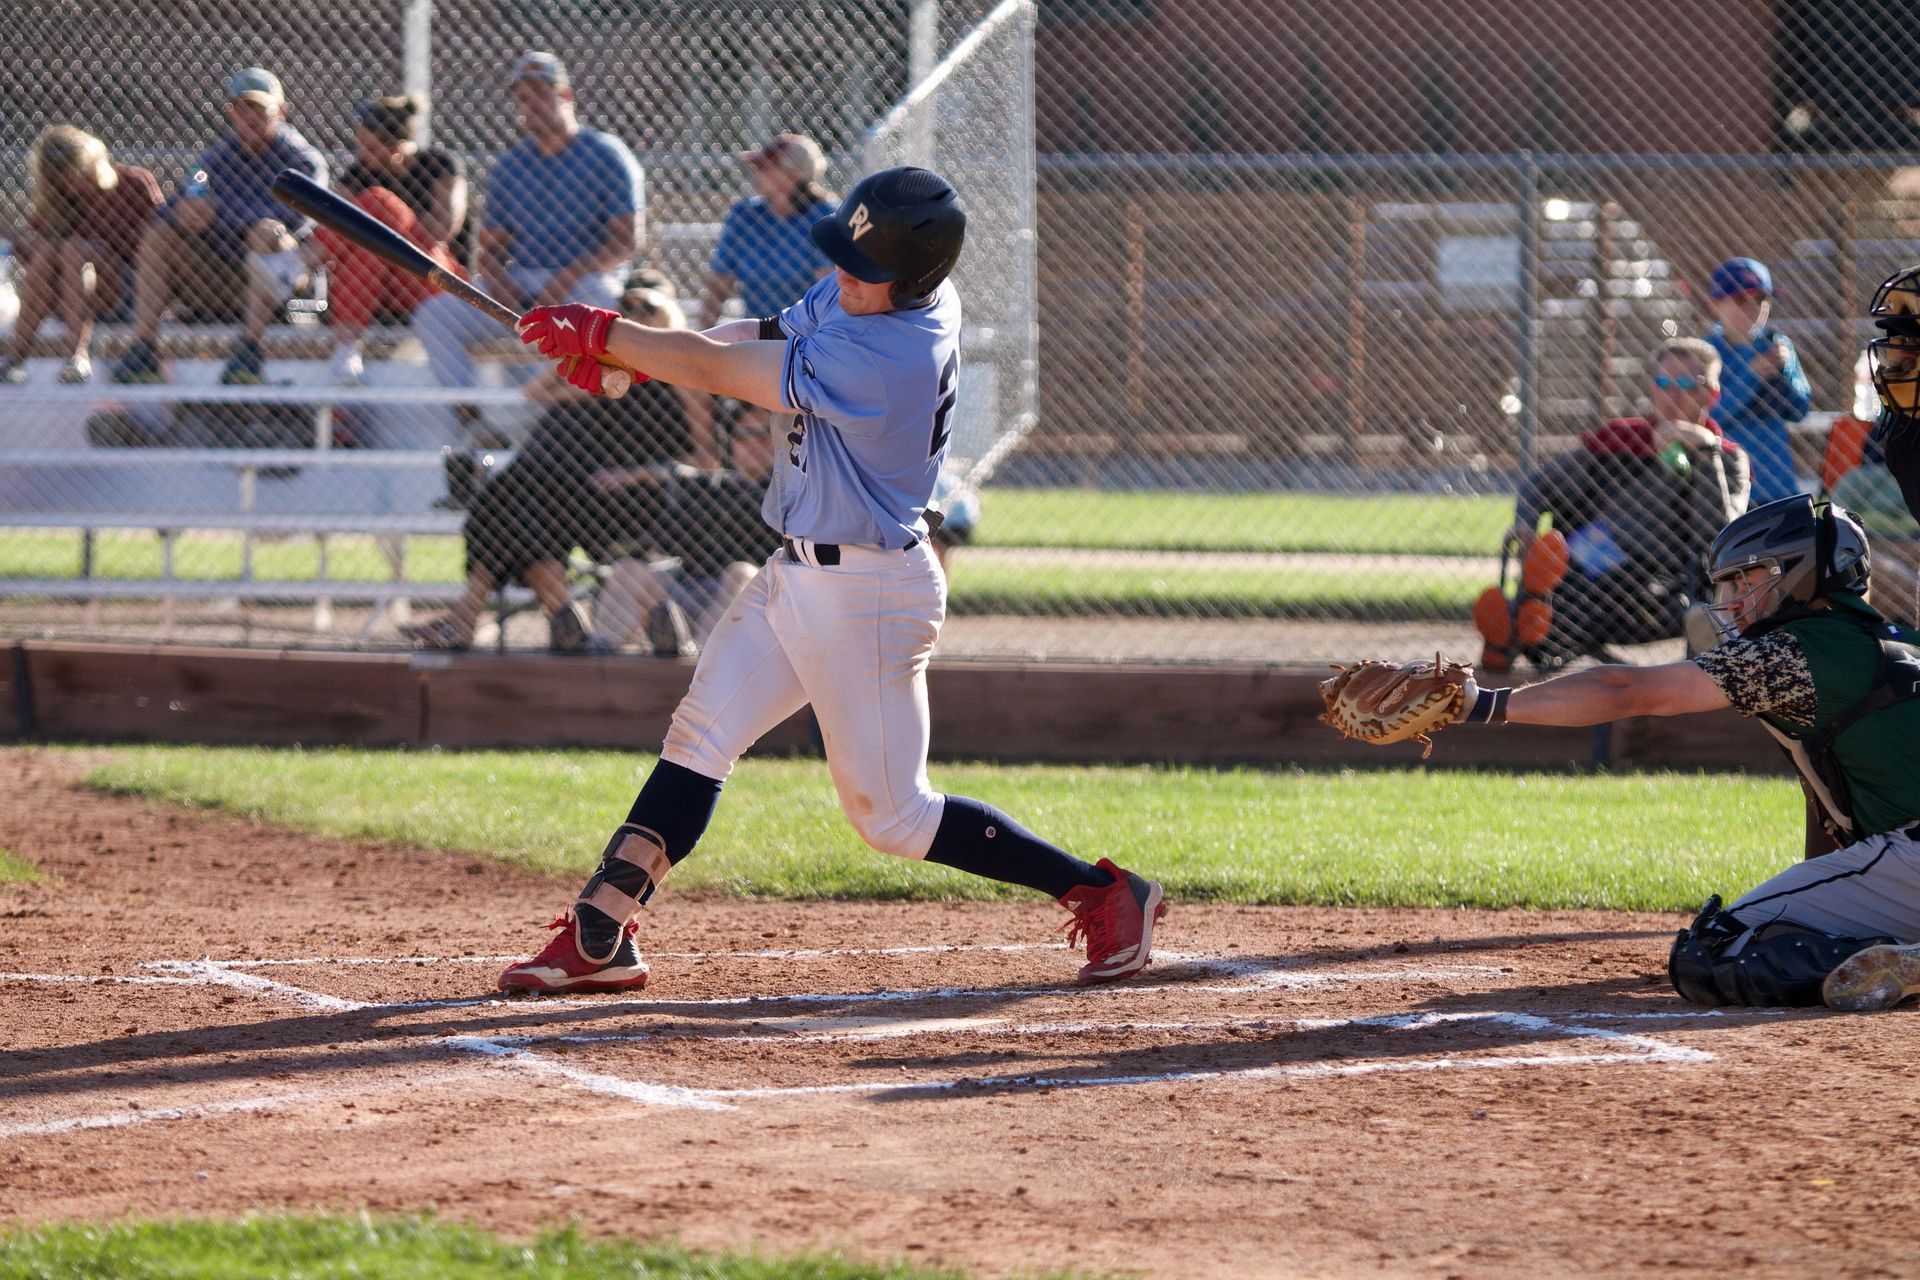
x=421, y=192
x=225, y=244
x=585, y=478
x=563, y=218
x=77, y=256
x=707, y=543
x=1633, y=507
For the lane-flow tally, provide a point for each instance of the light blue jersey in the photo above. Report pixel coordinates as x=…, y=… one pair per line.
x=876, y=397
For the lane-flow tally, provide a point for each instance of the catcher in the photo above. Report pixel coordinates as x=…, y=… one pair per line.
x=1803, y=652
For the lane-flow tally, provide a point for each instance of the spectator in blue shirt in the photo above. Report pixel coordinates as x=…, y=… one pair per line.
x=224, y=233
x=766, y=252
x=564, y=218
x=1762, y=387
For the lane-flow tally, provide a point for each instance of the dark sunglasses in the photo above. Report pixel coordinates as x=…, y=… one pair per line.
x=1685, y=382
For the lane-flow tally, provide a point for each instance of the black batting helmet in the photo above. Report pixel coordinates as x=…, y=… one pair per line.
x=900, y=224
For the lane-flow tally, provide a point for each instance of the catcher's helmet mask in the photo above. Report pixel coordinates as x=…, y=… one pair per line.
x=901, y=226
x=1809, y=550
x=1894, y=358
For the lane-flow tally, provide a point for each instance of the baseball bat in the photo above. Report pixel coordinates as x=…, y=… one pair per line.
x=351, y=222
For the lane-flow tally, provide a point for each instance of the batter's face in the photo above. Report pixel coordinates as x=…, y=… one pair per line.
x=858, y=298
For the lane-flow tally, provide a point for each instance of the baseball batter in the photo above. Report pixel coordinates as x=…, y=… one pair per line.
x=845, y=615
x=1838, y=686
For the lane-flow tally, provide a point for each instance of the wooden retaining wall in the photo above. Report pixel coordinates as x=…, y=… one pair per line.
x=1057, y=712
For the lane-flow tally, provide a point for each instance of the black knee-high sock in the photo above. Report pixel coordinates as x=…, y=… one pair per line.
x=980, y=840
x=674, y=803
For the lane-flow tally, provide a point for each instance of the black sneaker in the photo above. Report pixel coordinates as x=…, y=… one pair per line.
x=668, y=632
x=246, y=367
x=138, y=365
x=567, y=630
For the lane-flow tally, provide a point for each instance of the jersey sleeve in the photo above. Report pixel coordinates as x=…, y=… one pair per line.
x=1768, y=674
x=805, y=316
x=831, y=376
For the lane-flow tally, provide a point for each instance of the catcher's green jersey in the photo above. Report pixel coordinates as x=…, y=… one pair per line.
x=1800, y=676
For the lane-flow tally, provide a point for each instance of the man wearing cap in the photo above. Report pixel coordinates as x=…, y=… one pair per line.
x=564, y=217
x=196, y=252
x=766, y=251
x=1762, y=387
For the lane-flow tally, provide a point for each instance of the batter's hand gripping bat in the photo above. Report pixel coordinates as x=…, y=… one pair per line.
x=342, y=216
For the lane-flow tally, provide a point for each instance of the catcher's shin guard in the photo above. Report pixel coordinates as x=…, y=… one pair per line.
x=1720, y=961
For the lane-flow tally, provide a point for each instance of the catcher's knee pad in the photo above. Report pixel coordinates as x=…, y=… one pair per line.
x=1720, y=961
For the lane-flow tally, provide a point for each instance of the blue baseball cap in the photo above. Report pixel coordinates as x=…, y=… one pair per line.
x=1738, y=276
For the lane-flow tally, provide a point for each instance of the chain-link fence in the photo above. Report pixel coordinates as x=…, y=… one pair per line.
x=1273, y=312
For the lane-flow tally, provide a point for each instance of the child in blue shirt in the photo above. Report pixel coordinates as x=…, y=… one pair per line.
x=1762, y=387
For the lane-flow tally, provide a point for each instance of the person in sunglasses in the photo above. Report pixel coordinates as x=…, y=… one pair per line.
x=1763, y=389
x=1637, y=504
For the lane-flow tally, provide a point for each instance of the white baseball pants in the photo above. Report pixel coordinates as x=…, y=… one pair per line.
x=853, y=639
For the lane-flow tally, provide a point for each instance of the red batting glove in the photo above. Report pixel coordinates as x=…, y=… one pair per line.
x=590, y=375
x=575, y=329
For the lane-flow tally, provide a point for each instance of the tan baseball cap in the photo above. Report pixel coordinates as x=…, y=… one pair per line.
x=794, y=154
x=256, y=84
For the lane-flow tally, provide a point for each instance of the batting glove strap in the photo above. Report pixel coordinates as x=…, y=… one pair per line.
x=574, y=329
x=1486, y=706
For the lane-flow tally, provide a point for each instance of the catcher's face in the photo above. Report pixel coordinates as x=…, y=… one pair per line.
x=1743, y=597
x=1894, y=358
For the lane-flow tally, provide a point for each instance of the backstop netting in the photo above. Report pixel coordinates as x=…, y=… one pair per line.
x=1287, y=327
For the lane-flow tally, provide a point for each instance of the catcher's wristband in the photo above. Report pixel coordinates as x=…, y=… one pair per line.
x=1489, y=707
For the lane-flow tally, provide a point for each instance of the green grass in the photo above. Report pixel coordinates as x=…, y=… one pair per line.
x=978, y=586
x=1415, y=524
x=130, y=553
x=15, y=869
x=286, y=1247
x=1239, y=592
x=1657, y=841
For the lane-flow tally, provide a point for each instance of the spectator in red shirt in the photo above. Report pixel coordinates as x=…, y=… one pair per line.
x=80, y=247
x=421, y=192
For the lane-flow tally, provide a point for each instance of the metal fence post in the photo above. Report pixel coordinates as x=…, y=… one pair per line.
x=1527, y=194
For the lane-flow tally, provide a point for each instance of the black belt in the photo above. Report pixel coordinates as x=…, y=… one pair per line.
x=825, y=553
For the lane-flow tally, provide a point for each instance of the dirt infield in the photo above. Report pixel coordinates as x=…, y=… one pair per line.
x=200, y=1016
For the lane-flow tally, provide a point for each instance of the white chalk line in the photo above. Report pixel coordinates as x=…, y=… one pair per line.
x=89, y=979
x=765, y=954
x=1641, y=1050
x=1257, y=976
x=207, y=1110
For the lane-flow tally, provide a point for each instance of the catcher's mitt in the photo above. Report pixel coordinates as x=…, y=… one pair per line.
x=1382, y=702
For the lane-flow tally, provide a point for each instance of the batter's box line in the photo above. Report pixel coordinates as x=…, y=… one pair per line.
x=817, y=953
x=1631, y=1050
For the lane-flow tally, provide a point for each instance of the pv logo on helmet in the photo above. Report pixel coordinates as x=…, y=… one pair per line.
x=859, y=222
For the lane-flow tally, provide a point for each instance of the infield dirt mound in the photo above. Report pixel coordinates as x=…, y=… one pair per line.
x=202, y=1015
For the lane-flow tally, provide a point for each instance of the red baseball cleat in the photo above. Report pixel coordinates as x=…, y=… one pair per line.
x=1116, y=920
x=561, y=967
